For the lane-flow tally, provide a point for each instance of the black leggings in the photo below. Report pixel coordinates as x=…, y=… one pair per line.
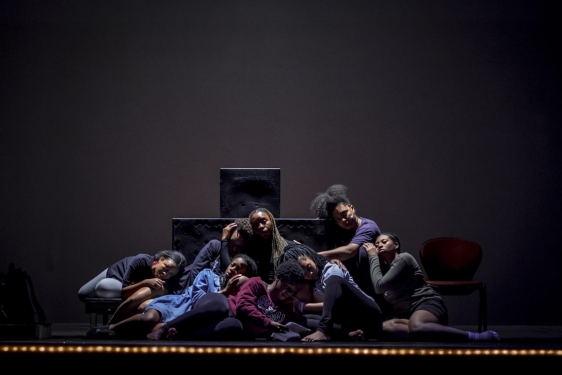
x=347, y=306
x=210, y=318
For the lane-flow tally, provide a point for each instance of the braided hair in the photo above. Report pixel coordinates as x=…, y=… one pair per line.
x=294, y=251
x=325, y=203
x=290, y=272
x=278, y=243
x=244, y=227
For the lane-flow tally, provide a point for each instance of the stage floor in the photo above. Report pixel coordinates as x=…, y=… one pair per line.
x=518, y=344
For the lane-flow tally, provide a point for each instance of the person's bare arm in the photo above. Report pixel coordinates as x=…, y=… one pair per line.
x=312, y=307
x=155, y=285
x=342, y=252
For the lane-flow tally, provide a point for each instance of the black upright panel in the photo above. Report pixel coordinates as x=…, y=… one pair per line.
x=190, y=235
x=242, y=190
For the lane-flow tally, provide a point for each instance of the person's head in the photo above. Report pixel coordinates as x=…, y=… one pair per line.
x=334, y=205
x=288, y=276
x=262, y=222
x=310, y=261
x=167, y=264
x=387, y=242
x=265, y=230
x=242, y=234
x=241, y=264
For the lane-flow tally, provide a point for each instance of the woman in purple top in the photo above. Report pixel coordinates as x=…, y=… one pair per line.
x=348, y=233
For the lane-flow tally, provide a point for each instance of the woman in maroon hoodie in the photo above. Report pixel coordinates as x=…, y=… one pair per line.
x=256, y=311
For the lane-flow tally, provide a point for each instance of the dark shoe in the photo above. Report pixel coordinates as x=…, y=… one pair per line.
x=102, y=332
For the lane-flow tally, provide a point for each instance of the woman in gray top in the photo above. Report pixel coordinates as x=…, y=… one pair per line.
x=420, y=313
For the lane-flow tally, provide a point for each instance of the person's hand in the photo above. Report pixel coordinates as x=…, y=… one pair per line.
x=277, y=327
x=338, y=263
x=371, y=248
x=154, y=283
x=231, y=284
x=227, y=231
x=296, y=305
x=303, y=334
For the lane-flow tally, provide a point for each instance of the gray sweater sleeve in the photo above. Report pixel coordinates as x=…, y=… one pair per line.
x=398, y=272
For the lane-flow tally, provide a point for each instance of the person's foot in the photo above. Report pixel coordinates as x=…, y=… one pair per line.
x=490, y=336
x=155, y=335
x=172, y=332
x=483, y=336
x=102, y=332
x=357, y=335
x=316, y=336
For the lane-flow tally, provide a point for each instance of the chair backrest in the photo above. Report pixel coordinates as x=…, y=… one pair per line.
x=450, y=258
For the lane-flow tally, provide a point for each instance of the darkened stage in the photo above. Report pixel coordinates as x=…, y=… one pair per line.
x=69, y=350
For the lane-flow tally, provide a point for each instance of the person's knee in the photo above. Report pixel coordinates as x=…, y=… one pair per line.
x=214, y=302
x=334, y=281
x=82, y=295
x=230, y=329
x=231, y=324
x=108, y=288
x=416, y=327
x=150, y=316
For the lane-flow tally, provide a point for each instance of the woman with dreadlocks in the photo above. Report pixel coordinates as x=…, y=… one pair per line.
x=266, y=244
x=349, y=232
x=346, y=312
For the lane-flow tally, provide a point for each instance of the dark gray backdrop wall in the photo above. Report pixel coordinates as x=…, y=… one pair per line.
x=441, y=117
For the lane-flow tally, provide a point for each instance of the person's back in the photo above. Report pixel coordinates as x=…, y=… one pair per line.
x=262, y=307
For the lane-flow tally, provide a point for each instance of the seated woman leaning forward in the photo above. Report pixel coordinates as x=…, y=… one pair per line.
x=347, y=312
x=419, y=311
x=167, y=308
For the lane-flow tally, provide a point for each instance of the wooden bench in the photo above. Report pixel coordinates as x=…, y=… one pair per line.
x=101, y=306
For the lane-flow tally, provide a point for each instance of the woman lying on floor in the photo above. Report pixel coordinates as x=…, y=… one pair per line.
x=258, y=310
x=420, y=311
x=167, y=308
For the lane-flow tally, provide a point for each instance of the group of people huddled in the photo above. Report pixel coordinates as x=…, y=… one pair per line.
x=252, y=281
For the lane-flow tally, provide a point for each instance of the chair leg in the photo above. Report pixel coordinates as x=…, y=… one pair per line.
x=482, y=310
x=105, y=317
x=93, y=320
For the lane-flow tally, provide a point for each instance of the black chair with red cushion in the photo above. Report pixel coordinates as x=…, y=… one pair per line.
x=450, y=264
